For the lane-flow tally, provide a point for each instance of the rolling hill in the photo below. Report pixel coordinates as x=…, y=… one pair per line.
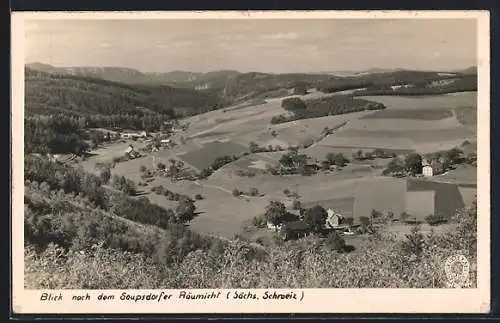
x=133, y=76
x=46, y=93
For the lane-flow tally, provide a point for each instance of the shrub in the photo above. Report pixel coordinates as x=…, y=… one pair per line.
x=198, y=197
x=404, y=216
x=259, y=221
x=105, y=175
x=254, y=191
x=205, y=173
x=160, y=190
x=435, y=219
x=117, y=159
x=335, y=241
x=185, y=210
x=247, y=173
x=142, y=168
x=286, y=191
x=349, y=220
x=414, y=242
x=236, y=192
x=315, y=217
x=296, y=205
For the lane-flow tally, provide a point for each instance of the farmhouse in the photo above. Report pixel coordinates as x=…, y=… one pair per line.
x=311, y=164
x=129, y=135
x=295, y=229
x=427, y=171
x=433, y=168
x=334, y=219
x=131, y=152
x=274, y=227
x=165, y=142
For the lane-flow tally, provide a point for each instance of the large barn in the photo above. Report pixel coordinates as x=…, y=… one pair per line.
x=416, y=197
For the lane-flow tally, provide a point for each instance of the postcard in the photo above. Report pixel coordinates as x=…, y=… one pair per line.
x=250, y=162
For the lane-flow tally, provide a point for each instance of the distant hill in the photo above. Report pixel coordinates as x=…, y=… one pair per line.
x=133, y=76
x=469, y=71
x=46, y=93
x=383, y=80
x=252, y=84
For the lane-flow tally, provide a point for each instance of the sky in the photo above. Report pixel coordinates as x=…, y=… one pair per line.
x=276, y=46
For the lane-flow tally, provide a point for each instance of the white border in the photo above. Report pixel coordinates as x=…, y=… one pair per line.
x=316, y=300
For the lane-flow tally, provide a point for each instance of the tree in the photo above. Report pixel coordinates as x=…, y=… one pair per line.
x=287, y=160
x=185, y=210
x=390, y=216
x=454, y=155
x=414, y=242
x=330, y=158
x=358, y=155
x=173, y=169
x=404, y=216
x=375, y=214
x=396, y=165
x=325, y=165
x=349, y=220
x=340, y=160
x=335, y=241
x=296, y=205
x=254, y=191
x=105, y=175
x=275, y=212
x=205, y=173
x=316, y=217
x=379, y=153
x=365, y=221
x=96, y=139
x=293, y=104
x=413, y=163
x=253, y=147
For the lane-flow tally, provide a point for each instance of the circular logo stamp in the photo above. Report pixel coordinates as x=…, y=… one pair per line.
x=457, y=269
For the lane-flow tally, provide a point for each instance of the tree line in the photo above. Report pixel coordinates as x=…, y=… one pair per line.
x=46, y=93
x=315, y=108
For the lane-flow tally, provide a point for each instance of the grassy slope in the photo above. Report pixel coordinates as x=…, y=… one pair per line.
x=382, y=262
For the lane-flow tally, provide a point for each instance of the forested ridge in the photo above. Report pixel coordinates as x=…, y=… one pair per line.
x=77, y=95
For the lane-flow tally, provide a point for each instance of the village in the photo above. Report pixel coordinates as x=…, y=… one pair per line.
x=288, y=220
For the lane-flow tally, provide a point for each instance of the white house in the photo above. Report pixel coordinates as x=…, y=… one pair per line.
x=334, y=219
x=427, y=171
x=129, y=150
x=271, y=226
x=127, y=135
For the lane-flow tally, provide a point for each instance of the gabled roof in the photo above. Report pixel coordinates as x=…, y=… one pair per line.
x=296, y=225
